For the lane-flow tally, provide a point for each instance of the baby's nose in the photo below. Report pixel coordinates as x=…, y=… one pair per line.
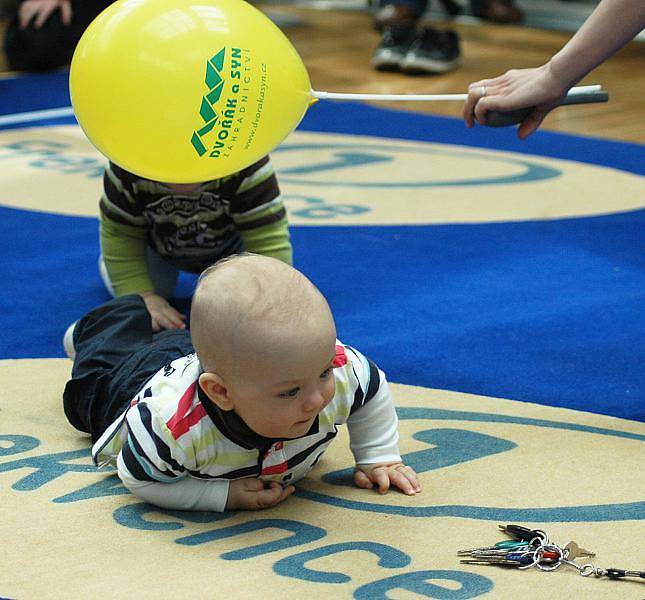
x=314, y=402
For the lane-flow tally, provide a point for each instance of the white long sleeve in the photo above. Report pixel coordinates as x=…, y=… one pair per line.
x=373, y=429
x=187, y=493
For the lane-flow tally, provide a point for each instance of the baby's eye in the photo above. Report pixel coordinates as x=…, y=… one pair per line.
x=326, y=373
x=289, y=393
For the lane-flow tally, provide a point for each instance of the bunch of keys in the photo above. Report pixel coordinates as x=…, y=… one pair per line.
x=533, y=548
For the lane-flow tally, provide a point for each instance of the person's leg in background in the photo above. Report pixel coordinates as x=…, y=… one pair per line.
x=409, y=45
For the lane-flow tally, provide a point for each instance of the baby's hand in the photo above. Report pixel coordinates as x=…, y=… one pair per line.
x=162, y=314
x=251, y=494
x=385, y=474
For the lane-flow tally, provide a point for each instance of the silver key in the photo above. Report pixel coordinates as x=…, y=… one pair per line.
x=575, y=551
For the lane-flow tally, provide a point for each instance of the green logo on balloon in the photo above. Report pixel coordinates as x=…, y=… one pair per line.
x=226, y=114
x=215, y=84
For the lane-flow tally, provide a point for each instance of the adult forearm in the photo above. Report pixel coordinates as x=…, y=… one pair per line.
x=612, y=25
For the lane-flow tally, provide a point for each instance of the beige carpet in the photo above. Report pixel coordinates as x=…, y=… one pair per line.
x=55, y=169
x=69, y=531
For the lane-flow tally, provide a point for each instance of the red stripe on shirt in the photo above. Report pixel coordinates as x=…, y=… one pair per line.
x=179, y=428
x=181, y=421
x=340, y=360
x=275, y=469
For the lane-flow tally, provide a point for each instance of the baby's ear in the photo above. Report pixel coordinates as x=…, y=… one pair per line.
x=215, y=388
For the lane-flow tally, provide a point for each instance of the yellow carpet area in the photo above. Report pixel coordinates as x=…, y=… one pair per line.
x=71, y=532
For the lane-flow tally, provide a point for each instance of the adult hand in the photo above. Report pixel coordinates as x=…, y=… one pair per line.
x=255, y=494
x=40, y=11
x=516, y=89
x=384, y=475
x=163, y=315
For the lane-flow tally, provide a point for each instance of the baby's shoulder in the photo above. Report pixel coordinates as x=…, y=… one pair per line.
x=173, y=387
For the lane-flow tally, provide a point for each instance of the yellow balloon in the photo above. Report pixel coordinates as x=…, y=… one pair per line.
x=184, y=91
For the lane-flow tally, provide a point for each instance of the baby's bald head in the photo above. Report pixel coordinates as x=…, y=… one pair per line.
x=248, y=309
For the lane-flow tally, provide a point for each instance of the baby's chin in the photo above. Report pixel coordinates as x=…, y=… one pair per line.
x=299, y=429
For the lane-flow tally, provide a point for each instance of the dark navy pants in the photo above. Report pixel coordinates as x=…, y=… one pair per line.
x=116, y=354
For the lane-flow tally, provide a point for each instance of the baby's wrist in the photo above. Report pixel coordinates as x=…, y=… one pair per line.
x=231, y=497
x=373, y=465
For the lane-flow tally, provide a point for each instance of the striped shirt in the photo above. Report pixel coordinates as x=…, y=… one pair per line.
x=173, y=434
x=221, y=217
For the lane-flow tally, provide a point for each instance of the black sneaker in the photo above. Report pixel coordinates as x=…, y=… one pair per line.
x=394, y=45
x=432, y=51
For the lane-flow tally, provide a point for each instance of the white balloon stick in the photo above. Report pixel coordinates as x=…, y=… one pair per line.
x=397, y=97
x=584, y=89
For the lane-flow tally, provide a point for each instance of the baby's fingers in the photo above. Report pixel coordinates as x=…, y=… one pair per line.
x=176, y=319
x=362, y=481
x=273, y=495
x=381, y=478
x=155, y=324
x=371, y=477
x=406, y=480
x=168, y=319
